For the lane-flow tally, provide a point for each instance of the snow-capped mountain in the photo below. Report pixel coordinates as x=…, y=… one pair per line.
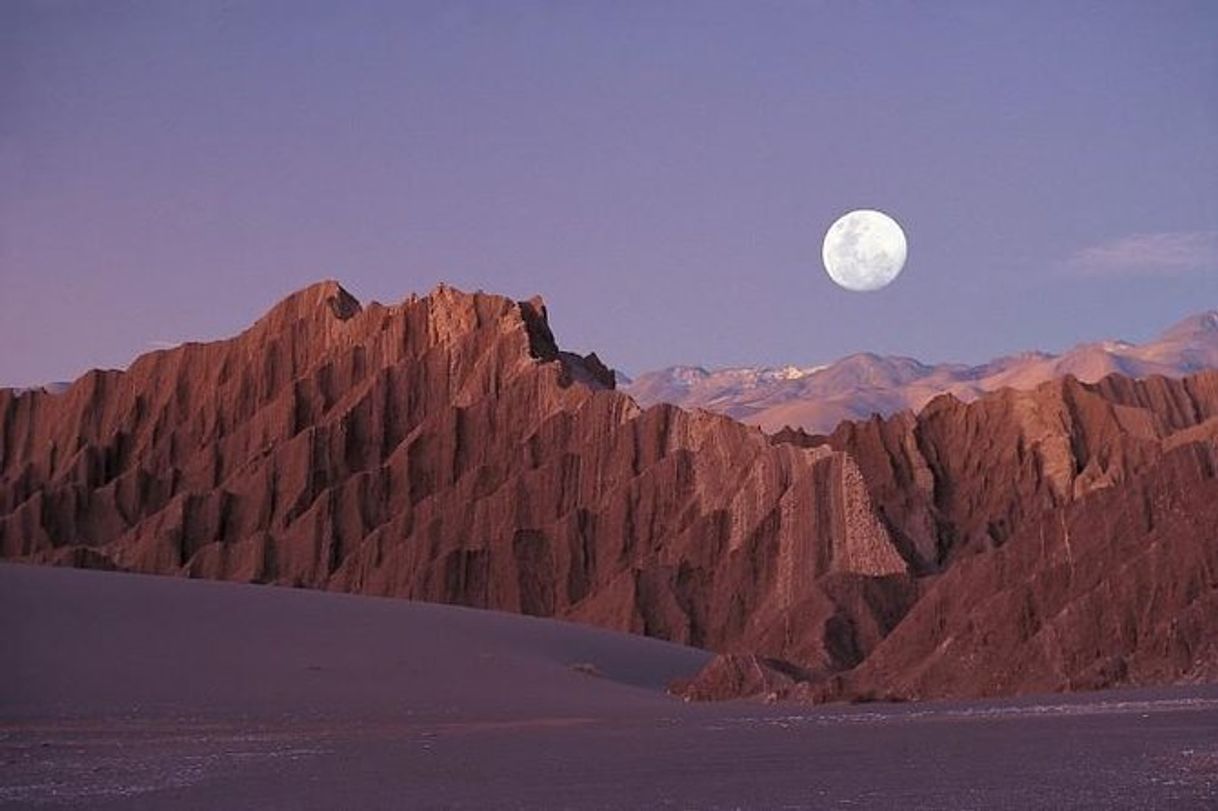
x=817, y=398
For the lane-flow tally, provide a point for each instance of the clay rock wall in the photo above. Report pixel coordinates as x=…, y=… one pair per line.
x=962, y=477
x=441, y=449
x=446, y=449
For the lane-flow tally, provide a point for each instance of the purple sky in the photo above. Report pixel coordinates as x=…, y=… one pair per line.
x=661, y=172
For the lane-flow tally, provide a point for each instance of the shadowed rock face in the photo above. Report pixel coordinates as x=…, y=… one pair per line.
x=1120, y=586
x=445, y=449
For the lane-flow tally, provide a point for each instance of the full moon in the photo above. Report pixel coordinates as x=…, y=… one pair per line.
x=864, y=250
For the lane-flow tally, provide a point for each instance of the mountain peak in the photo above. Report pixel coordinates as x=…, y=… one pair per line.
x=855, y=386
x=327, y=298
x=1201, y=325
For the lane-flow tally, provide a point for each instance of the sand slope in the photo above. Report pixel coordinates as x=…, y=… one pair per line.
x=140, y=692
x=116, y=644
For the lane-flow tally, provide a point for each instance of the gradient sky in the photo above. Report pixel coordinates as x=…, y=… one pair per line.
x=661, y=172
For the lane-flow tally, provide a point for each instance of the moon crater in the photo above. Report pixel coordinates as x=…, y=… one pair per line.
x=864, y=250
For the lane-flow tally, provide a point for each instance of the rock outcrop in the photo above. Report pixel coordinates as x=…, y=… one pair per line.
x=962, y=477
x=737, y=674
x=445, y=449
x=1119, y=587
x=1068, y=538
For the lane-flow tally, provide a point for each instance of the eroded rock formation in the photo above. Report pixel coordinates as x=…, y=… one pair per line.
x=446, y=449
x=1068, y=536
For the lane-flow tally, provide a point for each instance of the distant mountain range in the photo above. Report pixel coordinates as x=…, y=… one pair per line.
x=817, y=398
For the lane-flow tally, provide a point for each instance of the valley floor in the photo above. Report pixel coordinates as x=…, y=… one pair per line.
x=122, y=691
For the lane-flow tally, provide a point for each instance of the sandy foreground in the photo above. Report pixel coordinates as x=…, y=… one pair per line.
x=127, y=691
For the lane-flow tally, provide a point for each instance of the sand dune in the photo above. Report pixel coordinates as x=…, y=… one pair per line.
x=109, y=644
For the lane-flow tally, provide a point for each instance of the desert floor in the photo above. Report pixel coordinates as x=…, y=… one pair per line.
x=127, y=691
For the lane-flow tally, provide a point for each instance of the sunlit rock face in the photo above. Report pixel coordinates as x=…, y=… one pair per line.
x=1071, y=533
x=440, y=449
x=446, y=449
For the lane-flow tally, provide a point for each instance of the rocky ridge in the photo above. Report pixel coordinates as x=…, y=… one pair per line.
x=446, y=449
x=1067, y=538
x=818, y=398
x=442, y=449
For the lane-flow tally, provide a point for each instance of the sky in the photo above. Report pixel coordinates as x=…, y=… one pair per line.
x=662, y=173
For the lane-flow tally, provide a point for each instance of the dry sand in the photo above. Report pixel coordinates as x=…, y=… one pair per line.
x=123, y=691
